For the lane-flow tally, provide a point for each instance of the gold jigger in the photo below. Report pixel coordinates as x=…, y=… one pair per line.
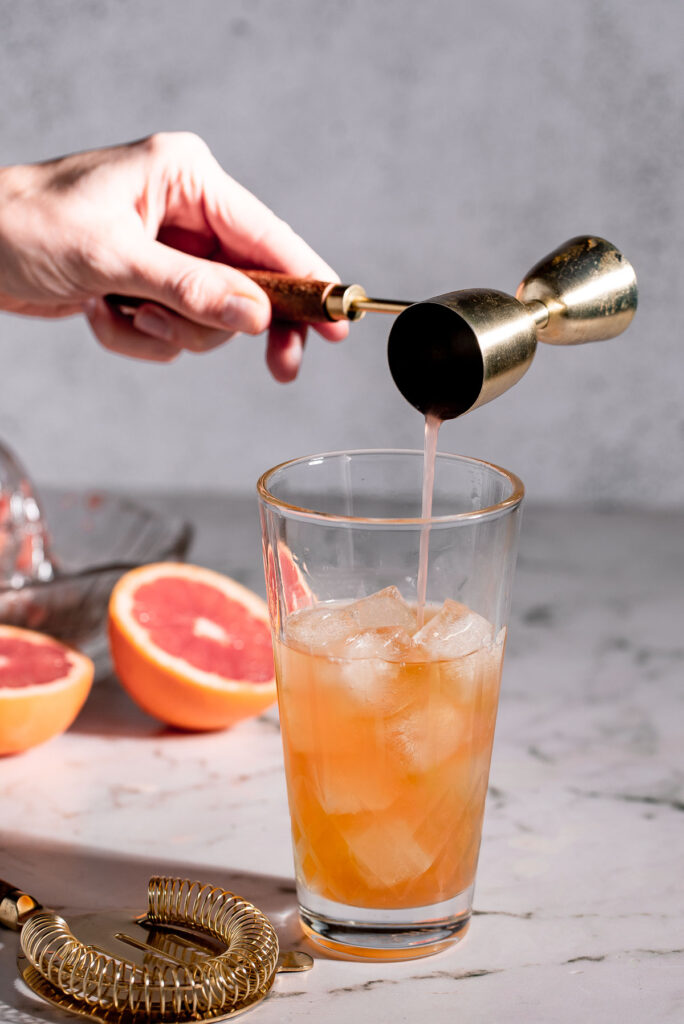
x=454, y=352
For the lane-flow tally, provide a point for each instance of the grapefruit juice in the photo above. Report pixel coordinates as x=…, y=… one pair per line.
x=387, y=732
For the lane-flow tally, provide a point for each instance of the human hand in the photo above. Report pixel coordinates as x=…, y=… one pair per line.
x=160, y=220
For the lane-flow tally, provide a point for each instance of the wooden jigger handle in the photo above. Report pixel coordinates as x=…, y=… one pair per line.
x=294, y=299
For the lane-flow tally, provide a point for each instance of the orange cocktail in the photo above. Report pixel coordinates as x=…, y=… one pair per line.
x=387, y=732
x=389, y=620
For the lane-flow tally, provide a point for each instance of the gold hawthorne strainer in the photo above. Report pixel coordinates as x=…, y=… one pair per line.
x=199, y=953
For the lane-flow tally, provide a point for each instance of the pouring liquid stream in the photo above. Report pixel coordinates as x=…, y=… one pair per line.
x=432, y=425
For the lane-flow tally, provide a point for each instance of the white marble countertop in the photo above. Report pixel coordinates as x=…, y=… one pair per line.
x=579, y=902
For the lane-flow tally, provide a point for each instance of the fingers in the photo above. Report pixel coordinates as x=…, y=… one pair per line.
x=285, y=349
x=210, y=294
x=117, y=334
x=206, y=295
x=197, y=192
x=208, y=218
x=205, y=245
x=175, y=330
x=253, y=236
x=333, y=331
x=159, y=336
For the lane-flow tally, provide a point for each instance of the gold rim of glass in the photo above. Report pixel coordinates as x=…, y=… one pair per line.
x=507, y=504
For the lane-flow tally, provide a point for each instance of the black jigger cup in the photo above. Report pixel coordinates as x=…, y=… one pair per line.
x=456, y=351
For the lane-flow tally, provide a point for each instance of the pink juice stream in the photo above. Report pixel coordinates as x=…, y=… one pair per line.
x=432, y=425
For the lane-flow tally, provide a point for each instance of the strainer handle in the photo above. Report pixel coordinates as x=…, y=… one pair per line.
x=16, y=906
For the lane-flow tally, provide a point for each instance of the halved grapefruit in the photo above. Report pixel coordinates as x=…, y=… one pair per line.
x=192, y=647
x=43, y=686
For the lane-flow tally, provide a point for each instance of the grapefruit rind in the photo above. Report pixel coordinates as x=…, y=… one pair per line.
x=167, y=687
x=31, y=715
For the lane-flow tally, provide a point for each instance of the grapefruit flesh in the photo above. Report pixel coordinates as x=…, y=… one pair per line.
x=295, y=590
x=191, y=646
x=43, y=686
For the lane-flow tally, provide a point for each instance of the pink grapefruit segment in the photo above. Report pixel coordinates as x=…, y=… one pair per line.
x=191, y=646
x=43, y=686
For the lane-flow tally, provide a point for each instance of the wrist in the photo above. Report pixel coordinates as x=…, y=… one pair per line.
x=15, y=182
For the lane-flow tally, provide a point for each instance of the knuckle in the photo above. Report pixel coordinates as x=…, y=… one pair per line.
x=155, y=143
x=192, y=140
x=189, y=290
x=165, y=142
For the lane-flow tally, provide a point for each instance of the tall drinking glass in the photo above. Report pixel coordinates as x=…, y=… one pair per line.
x=387, y=708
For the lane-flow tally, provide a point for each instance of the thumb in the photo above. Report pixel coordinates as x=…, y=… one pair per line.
x=208, y=293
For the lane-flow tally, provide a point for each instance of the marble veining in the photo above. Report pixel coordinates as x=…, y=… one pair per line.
x=579, y=903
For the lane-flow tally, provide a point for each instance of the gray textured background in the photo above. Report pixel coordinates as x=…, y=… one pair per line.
x=421, y=147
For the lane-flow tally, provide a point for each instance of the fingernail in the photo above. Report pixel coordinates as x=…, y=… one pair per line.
x=242, y=314
x=156, y=324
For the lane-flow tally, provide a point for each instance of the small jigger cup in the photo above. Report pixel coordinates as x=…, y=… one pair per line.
x=456, y=351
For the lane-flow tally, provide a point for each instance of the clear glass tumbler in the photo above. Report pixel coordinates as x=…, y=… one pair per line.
x=387, y=708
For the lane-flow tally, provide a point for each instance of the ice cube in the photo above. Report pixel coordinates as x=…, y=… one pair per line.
x=346, y=786
x=315, y=629
x=387, y=850
x=473, y=681
x=379, y=626
x=386, y=608
x=428, y=734
x=372, y=687
x=391, y=643
x=454, y=632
